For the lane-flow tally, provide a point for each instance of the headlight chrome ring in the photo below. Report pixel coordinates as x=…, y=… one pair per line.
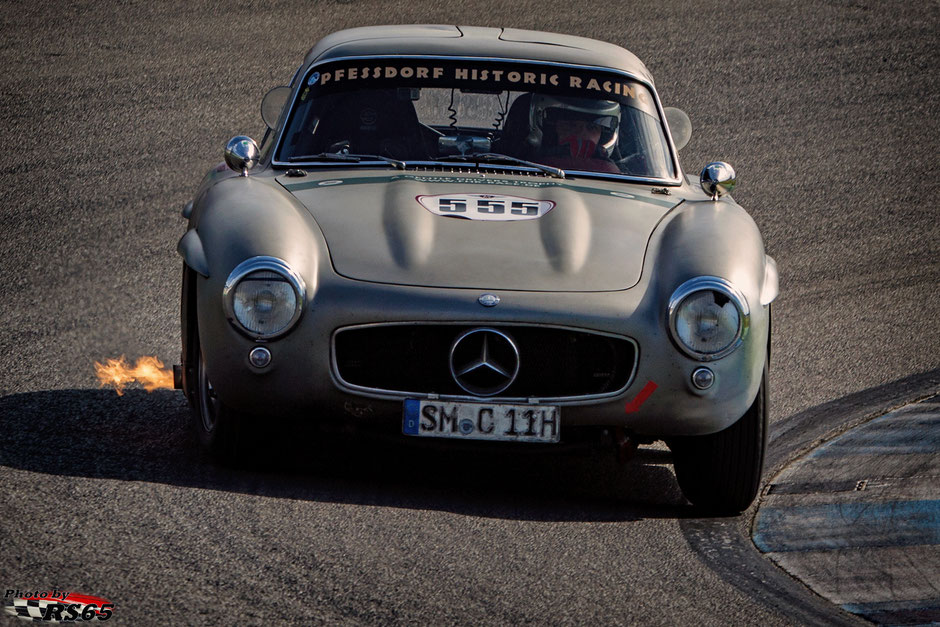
x=262, y=307
x=696, y=319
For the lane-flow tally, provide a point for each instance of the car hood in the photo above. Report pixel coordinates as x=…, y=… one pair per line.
x=389, y=228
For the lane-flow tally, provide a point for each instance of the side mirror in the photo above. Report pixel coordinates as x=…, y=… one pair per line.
x=272, y=104
x=717, y=179
x=241, y=154
x=679, y=125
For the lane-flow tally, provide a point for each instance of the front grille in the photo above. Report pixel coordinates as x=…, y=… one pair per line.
x=414, y=358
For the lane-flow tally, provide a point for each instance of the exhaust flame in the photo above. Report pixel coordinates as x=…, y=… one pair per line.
x=148, y=371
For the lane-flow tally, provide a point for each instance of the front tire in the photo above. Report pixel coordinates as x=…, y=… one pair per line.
x=721, y=472
x=222, y=431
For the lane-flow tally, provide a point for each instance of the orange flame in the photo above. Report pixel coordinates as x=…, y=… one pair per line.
x=148, y=371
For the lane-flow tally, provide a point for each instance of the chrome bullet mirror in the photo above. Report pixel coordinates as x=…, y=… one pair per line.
x=272, y=104
x=241, y=154
x=680, y=126
x=717, y=179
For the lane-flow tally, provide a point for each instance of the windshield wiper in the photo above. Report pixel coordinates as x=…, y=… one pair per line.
x=347, y=157
x=495, y=157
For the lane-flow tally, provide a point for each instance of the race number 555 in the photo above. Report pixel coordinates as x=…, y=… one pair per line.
x=486, y=206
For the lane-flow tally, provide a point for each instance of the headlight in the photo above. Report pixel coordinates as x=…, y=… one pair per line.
x=263, y=297
x=708, y=317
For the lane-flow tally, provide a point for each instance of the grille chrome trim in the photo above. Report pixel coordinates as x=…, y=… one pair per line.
x=385, y=394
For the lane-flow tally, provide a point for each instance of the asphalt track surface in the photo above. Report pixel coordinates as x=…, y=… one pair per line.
x=111, y=112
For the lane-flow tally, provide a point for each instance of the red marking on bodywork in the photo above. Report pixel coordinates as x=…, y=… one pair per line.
x=644, y=394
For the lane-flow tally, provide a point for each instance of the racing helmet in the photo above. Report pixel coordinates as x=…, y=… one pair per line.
x=544, y=109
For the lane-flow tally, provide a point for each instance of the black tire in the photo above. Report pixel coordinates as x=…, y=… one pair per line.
x=222, y=431
x=721, y=472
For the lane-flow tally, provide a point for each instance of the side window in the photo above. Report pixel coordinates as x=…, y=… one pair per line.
x=268, y=134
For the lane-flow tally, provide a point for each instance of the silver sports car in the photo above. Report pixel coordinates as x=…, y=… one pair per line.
x=471, y=233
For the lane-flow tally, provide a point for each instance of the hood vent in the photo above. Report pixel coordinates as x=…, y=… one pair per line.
x=501, y=171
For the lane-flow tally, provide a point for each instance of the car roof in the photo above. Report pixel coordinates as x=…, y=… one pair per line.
x=475, y=41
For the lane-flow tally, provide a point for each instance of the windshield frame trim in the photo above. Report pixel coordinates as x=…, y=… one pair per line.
x=673, y=153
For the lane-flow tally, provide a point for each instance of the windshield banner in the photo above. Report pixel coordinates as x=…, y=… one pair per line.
x=478, y=77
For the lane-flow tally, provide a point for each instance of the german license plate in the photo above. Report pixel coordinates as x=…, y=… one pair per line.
x=477, y=421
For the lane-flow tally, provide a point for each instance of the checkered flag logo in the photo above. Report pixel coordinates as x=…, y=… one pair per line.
x=29, y=609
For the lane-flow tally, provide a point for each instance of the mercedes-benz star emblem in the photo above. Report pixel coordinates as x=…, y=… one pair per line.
x=484, y=361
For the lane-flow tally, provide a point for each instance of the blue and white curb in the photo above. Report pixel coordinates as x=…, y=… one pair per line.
x=858, y=519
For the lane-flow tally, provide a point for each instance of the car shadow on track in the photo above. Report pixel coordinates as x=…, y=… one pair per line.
x=146, y=437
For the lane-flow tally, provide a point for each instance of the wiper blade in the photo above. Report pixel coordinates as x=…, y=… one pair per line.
x=495, y=157
x=347, y=157
x=325, y=156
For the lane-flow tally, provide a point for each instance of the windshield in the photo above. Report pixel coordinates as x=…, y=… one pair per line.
x=493, y=112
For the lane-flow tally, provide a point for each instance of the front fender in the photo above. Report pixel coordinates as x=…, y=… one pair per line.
x=243, y=217
x=712, y=238
x=707, y=238
x=237, y=219
x=190, y=249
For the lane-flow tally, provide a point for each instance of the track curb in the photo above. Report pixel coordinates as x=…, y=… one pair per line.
x=725, y=544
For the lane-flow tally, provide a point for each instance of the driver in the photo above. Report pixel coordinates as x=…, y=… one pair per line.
x=574, y=133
